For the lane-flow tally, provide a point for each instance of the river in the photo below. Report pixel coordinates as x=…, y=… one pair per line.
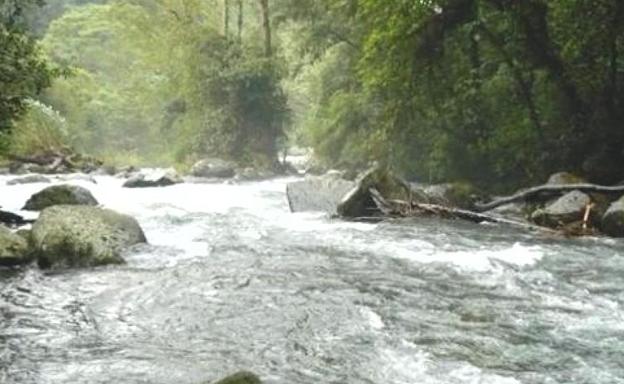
x=232, y=280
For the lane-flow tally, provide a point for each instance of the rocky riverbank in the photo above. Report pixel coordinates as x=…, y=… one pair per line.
x=565, y=203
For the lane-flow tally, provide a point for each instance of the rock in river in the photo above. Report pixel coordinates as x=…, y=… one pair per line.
x=60, y=195
x=317, y=193
x=29, y=179
x=216, y=168
x=613, y=219
x=82, y=236
x=565, y=210
x=160, y=178
x=13, y=249
x=242, y=377
x=359, y=203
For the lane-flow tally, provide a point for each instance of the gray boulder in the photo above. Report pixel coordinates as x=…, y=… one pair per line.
x=13, y=249
x=30, y=179
x=565, y=210
x=317, y=193
x=242, y=377
x=613, y=219
x=82, y=236
x=60, y=195
x=161, y=178
x=214, y=168
x=359, y=203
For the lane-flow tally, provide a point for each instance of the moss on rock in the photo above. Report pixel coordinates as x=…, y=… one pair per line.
x=82, y=236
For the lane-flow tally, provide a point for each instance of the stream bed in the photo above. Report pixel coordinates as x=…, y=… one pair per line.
x=232, y=280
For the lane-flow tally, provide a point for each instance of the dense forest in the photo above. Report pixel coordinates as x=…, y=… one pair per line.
x=497, y=92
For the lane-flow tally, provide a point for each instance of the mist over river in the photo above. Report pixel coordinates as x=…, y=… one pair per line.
x=232, y=280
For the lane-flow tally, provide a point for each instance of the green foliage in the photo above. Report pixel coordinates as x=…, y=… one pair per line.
x=23, y=71
x=501, y=93
x=157, y=82
x=40, y=130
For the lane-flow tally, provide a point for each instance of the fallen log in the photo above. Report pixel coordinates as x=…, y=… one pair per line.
x=398, y=208
x=545, y=191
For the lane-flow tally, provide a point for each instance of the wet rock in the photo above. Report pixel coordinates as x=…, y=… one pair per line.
x=242, y=377
x=60, y=195
x=213, y=168
x=459, y=194
x=613, y=219
x=67, y=236
x=565, y=178
x=30, y=179
x=358, y=202
x=13, y=249
x=11, y=219
x=317, y=193
x=565, y=210
x=162, y=178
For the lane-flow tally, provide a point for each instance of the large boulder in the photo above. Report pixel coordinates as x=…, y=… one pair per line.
x=242, y=377
x=318, y=193
x=213, y=168
x=82, y=236
x=160, y=178
x=60, y=195
x=29, y=179
x=565, y=210
x=13, y=249
x=359, y=202
x=613, y=219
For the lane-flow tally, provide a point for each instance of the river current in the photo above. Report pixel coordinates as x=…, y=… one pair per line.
x=232, y=280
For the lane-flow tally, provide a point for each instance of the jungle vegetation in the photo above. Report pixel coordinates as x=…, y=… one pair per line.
x=497, y=92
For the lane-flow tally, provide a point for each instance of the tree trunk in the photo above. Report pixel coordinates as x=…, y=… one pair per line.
x=226, y=17
x=240, y=21
x=544, y=192
x=266, y=25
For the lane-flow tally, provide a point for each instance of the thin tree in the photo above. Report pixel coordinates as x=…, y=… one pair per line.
x=266, y=26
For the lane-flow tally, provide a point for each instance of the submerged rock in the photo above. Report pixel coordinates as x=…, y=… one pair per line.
x=82, y=236
x=163, y=178
x=213, y=168
x=13, y=249
x=30, y=179
x=359, y=203
x=613, y=219
x=565, y=210
x=242, y=377
x=60, y=195
x=317, y=193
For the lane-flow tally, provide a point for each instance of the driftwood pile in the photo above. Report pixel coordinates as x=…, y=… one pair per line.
x=54, y=161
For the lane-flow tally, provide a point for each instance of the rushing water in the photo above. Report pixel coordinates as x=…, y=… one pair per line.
x=232, y=280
